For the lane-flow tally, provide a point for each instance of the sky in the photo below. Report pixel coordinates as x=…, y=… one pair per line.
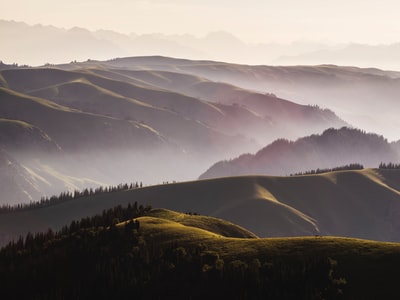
x=253, y=21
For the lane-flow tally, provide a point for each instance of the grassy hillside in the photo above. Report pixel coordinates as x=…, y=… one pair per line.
x=177, y=117
x=72, y=128
x=285, y=118
x=362, y=204
x=162, y=254
x=187, y=221
x=20, y=136
x=218, y=105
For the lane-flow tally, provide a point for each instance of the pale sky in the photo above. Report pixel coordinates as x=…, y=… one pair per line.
x=363, y=21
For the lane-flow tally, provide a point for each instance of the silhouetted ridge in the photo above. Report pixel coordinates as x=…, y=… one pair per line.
x=67, y=196
x=341, y=168
x=334, y=147
x=392, y=166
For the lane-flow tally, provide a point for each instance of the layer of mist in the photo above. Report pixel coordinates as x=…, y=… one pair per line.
x=158, y=119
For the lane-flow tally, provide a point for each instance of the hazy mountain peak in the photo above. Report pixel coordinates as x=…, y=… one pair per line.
x=334, y=147
x=222, y=36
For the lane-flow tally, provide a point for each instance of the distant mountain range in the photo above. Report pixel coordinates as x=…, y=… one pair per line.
x=39, y=44
x=334, y=147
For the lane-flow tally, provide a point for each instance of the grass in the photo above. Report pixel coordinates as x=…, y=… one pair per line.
x=210, y=224
x=17, y=123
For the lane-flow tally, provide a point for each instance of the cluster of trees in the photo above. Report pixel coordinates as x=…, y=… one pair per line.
x=104, y=221
x=348, y=167
x=93, y=258
x=389, y=166
x=67, y=196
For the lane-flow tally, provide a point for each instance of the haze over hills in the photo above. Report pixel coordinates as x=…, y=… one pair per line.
x=361, y=96
x=334, y=147
x=16, y=183
x=110, y=122
x=382, y=56
x=211, y=149
x=149, y=114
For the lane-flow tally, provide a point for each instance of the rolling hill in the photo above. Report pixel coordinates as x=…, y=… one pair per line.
x=72, y=129
x=156, y=219
x=248, y=108
x=334, y=147
x=360, y=204
x=19, y=136
x=174, y=101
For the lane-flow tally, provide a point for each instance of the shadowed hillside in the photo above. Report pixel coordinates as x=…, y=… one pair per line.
x=332, y=148
x=72, y=129
x=19, y=136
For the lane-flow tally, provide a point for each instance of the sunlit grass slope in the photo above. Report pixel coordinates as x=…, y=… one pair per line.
x=183, y=224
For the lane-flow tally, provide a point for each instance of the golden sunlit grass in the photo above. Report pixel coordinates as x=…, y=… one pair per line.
x=18, y=123
x=167, y=226
x=210, y=224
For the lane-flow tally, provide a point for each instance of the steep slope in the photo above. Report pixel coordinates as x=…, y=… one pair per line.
x=332, y=148
x=17, y=184
x=363, y=204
